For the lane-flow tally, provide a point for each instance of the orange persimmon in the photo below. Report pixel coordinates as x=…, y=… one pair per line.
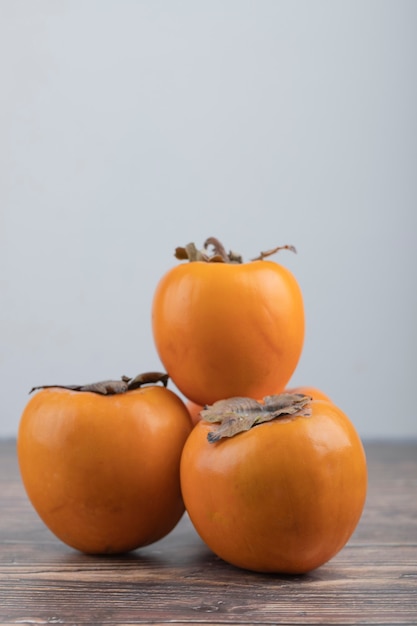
x=284, y=496
x=225, y=328
x=102, y=468
x=194, y=411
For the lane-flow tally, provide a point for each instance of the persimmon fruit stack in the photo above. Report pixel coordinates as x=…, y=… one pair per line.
x=273, y=477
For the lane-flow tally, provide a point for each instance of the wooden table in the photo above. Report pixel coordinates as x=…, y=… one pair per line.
x=373, y=580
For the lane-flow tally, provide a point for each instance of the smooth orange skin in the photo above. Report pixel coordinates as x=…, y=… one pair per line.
x=313, y=392
x=224, y=330
x=283, y=497
x=102, y=472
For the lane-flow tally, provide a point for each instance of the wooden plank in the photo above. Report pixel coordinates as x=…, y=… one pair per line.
x=373, y=580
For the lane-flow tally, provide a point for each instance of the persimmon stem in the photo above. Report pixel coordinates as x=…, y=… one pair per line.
x=267, y=253
x=191, y=253
x=219, y=249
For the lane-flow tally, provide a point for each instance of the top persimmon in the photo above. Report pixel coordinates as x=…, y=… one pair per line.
x=225, y=328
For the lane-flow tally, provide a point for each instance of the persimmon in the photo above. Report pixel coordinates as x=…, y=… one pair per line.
x=100, y=463
x=282, y=496
x=194, y=411
x=224, y=328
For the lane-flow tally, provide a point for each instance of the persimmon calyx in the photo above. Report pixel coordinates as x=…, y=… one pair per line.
x=191, y=253
x=113, y=387
x=236, y=415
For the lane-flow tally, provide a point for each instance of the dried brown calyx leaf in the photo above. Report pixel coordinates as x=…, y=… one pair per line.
x=112, y=387
x=190, y=252
x=236, y=415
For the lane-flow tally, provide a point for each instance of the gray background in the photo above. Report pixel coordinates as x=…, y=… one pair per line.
x=128, y=128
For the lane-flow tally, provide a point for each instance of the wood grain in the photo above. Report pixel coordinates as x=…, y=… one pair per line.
x=373, y=580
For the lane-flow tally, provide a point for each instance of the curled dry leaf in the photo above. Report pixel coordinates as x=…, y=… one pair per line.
x=191, y=253
x=112, y=387
x=148, y=378
x=236, y=415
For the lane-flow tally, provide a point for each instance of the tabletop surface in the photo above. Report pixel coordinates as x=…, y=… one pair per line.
x=177, y=580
